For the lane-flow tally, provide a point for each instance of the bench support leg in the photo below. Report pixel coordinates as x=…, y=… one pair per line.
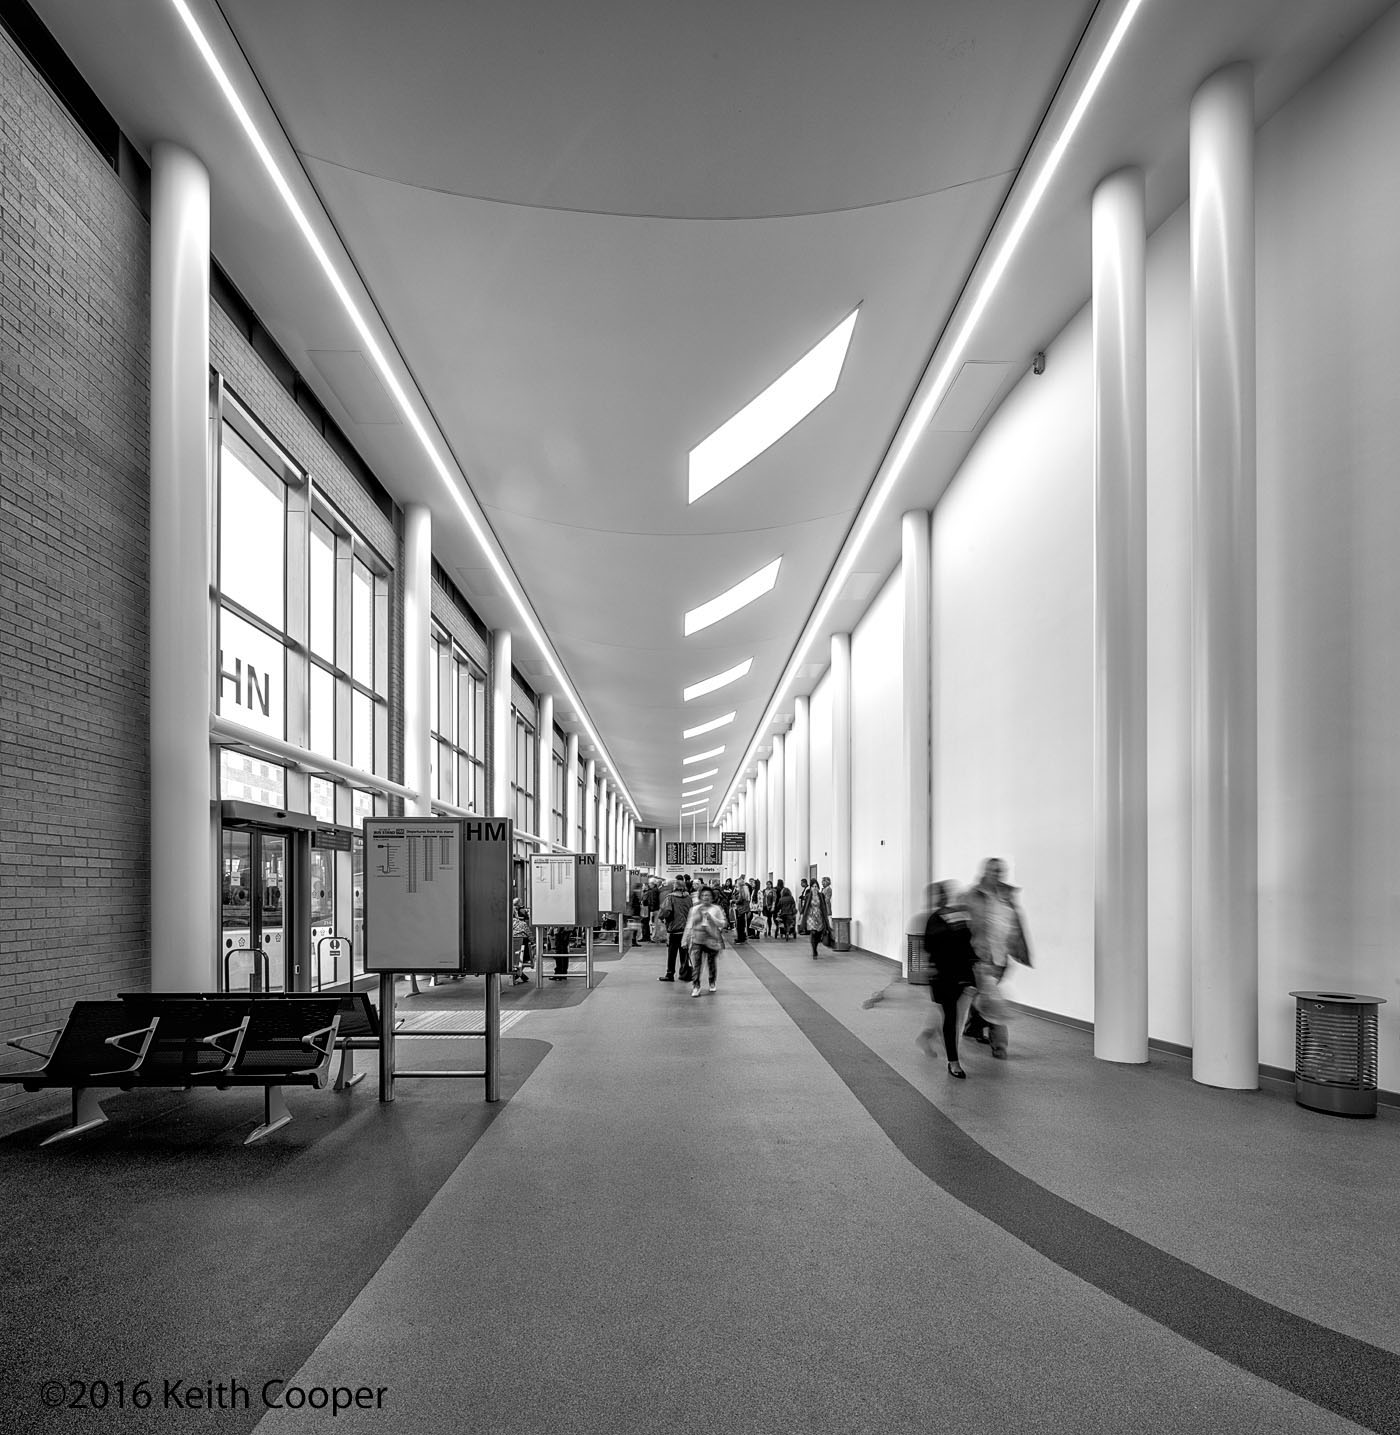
x=347, y=1076
x=275, y=1114
x=87, y=1113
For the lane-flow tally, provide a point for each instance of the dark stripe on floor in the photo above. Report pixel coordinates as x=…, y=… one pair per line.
x=1337, y=1372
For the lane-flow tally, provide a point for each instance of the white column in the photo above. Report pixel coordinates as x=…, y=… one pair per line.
x=841, y=773
x=606, y=847
x=777, y=816
x=1120, y=617
x=502, y=735
x=1224, y=818
x=590, y=810
x=183, y=837
x=916, y=787
x=800, y=737
x=571, y=812
x=545, y=785
x=418, y=657
x=761, y=821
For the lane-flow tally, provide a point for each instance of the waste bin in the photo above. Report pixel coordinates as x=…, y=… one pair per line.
x=920, y=968
x=1336, y=1052
x=841, y=934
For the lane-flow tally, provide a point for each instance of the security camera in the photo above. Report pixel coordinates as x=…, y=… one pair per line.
x=1038, y=363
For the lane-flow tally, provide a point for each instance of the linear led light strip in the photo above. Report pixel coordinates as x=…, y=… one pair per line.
x=912, y=426
x=697, y=776
x=449, y=480
x=710, y=726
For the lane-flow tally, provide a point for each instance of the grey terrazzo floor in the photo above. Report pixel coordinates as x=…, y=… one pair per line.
x=763, y=1210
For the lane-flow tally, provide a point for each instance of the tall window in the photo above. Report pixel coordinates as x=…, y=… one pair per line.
x=557, y=831
x=522, y=776
x=459, y=726
x=251, y=632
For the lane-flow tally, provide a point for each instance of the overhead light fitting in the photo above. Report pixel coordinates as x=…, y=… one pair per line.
x=730, y=601
x=701, y=756
x=720, y=680
x=453, y=481
x=931, y=390
x=709, y=726
x=779, y=408
x=696, y=776
x=696, y=791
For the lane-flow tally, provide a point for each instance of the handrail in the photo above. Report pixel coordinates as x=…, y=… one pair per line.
x=301, y=757
x=254, y=952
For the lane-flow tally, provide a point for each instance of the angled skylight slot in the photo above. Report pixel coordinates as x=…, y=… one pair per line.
x=780, y=407
x=697, y=806
x=701, y=756
x=697, y=776
x=710, y=726
x=696, y=791
x=720, y=680
x=739, y=596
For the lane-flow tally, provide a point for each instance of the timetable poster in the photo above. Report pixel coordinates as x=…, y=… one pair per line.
x=605, y=887
x=554, y=889
x=413, y=894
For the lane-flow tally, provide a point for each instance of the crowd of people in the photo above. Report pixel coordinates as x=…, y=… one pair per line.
x=971, y=939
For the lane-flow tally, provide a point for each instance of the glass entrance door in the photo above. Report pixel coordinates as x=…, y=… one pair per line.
x=256, y=894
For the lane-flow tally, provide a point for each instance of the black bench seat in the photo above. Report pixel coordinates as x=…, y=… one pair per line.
x=101, y=1044
x=186, y=1039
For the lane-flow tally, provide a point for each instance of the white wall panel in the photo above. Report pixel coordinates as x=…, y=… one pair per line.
x=791, y=873
x=877, y=675
x=820, y=807
x=1013, y=653
x=1329, y=534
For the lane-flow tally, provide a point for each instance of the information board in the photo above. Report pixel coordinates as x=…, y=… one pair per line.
x=564, y=889
x=605, y=887
x=732, y=842
x=487, y=843
x=414, y=891
x=692, y=854
x=554, y=889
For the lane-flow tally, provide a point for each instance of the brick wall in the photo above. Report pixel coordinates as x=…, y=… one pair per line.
x=74, y=775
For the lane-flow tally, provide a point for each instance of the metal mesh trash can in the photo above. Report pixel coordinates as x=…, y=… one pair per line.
x=1336, y=1052
x=841, y=934
x=920, y=968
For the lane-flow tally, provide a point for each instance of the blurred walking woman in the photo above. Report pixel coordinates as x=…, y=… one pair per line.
x=952, y=967
x=998, y=939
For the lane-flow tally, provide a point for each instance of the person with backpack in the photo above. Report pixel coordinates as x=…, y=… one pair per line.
x=814, y=915
x=785, y=911
x=704, y=936
x=675, y=909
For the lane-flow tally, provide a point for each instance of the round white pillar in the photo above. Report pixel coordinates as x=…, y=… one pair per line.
x=777, y=815
x=502, y=728
x=841, y=773
x=572, y=816
x=590, y=806
x=418, y=657
x=801, y=786
x=183, y=836
x=1224, y=817
x=765, y=852
x=545, y=787
x=1119, y=227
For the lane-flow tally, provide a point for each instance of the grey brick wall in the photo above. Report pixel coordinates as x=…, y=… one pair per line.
x=74, y=774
